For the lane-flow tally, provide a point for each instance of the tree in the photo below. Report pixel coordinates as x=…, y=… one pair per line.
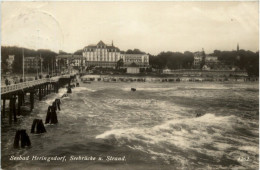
x=47, y=55
x=119, y=63
x=78, y=52
x=135, y=51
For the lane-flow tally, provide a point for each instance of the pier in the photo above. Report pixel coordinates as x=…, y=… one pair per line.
x=16, y=93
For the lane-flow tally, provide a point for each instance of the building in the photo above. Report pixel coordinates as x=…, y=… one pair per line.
x=141, y=60
x=104, y=55
x=132, y=70
x=10, y=61
x=198, y=57
x=212, y=62
x=32, y=63
x=69, y=61
x=101, y=55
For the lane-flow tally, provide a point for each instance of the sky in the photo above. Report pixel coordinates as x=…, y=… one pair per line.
x=152, y=27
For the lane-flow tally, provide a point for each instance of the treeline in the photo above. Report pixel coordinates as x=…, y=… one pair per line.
x=172, y=60
x=47, y=55
x=245, y=60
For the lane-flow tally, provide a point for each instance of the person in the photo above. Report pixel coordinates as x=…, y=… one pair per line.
x=6, y=82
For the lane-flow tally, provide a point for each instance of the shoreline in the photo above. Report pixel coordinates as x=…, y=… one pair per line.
x=149, y=78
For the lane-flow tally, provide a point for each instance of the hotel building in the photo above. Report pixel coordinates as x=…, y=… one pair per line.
x=104, y=55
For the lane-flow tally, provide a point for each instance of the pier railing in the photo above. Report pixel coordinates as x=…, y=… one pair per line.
x=27, y=84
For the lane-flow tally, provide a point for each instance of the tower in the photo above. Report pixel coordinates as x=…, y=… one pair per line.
x=238, y=57
x=112, y=44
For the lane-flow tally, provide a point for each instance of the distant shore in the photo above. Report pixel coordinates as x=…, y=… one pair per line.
x=164, y=78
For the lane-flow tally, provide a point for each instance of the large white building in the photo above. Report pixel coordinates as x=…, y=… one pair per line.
x=105, y=55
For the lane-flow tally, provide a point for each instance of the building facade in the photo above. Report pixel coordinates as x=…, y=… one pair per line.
x=10, y=61
x=198, y=56
x=33, y=63
x=69, y=61
x=104, y=55
x=141, y=60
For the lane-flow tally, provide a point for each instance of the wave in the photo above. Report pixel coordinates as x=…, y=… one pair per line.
x=208, y=134
x=79, y=89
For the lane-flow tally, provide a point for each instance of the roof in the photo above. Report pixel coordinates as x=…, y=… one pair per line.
x=133, y=65
x=101, y=43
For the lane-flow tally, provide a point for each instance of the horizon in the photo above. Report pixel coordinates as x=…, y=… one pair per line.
x=131, y=25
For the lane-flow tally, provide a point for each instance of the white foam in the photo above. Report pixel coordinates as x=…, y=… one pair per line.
x=249, y=149
x=79, y=89
x=185, y=133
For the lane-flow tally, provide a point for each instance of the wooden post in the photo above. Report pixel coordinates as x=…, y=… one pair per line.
x=14, y=108
x=57, y=87
x=43, y=90
x=3, y=111
x=11, y=110
x=32, y=100
x=23, y=99
x=19, y=104
x=47, y=88
x=40, y=93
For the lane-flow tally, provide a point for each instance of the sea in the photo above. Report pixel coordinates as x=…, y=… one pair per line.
x=184, y=125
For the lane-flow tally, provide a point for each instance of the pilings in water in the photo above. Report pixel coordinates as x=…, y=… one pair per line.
x=57, y=101
x=51, y=116
x=12, y=108
x=22, y=136
x=38, y=124
x=69, y=90
x=40, y=93
x=10, y=111
x=19, y=103
x=32, y=100
x=15, y=109
x=3, y=108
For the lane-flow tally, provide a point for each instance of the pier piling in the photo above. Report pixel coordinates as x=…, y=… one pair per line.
x=37, y=123
x=10, y=110
x=32, y=100
x=3, y=108
x=14, y=108
x=22, y=136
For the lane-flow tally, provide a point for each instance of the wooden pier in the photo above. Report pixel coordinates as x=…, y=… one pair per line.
x=17, y=92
